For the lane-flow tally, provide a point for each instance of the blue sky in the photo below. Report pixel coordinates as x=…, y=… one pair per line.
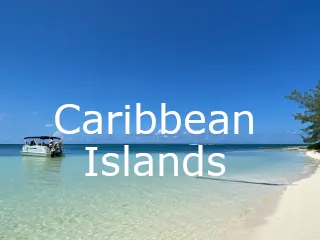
x=194, y=55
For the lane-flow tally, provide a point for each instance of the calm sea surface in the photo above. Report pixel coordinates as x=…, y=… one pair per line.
x=43, y=198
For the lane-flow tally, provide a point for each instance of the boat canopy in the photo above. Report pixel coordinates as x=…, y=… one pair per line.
x=43, y=137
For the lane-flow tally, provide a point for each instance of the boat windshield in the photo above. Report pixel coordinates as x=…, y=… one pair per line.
x=42, y=141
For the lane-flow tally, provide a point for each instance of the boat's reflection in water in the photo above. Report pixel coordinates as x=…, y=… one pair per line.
x=44, y=170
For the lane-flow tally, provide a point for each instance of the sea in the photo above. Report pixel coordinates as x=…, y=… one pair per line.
x=52, y=198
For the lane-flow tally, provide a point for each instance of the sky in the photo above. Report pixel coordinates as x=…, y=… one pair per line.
x=202, y=55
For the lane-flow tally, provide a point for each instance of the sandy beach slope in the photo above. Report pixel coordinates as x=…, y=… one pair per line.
x=297, y=215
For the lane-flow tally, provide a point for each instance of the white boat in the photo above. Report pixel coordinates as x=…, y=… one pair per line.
x=42, y=146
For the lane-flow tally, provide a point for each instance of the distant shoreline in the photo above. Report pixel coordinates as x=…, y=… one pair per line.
x=286, y=148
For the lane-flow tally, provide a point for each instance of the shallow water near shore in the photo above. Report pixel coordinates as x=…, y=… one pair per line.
x=43, y=198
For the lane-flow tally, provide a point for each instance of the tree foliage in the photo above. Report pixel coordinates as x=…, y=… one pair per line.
x=309, y=101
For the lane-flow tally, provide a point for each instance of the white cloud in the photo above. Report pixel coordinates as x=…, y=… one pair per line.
x=294, y=133
x=159, y=135
x=158, y=132
x=58, y=134
x=49, y=125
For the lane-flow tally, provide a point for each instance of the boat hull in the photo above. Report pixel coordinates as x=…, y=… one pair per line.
x=39, y=151
x=35, y=154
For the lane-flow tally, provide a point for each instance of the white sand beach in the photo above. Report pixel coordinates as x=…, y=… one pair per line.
x=296, y=216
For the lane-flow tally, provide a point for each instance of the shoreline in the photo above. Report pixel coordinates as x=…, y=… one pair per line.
x=284, y=214
x=294, y=215
x=291, y=148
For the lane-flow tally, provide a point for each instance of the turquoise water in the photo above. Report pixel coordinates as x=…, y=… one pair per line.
x=43, y=198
